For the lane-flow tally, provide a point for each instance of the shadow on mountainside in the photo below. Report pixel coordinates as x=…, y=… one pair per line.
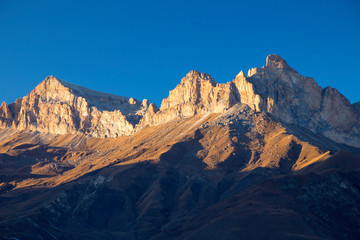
x=196, y=188
x=165, y=200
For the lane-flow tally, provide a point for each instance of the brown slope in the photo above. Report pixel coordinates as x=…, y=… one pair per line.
x=147, y=184
x=223, y=139
x=317, y=203
x=275, y=88
x=59, y=107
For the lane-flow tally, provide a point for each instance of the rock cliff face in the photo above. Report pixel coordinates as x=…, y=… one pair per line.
x=5, y=116
x=300, y=100
x=239, y=153
x=356, y=107
x=56, y=106
x=276, y=89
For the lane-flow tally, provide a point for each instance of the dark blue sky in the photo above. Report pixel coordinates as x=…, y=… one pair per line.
x=142, y=49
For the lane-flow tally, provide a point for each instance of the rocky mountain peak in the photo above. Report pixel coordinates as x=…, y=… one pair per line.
x=3, y=106
x=50, y=84
x=196, y=76
x=241, y=74
x=60, y=107
x=276, y=89
x=275, y=61
x=242, y=152
x=5, y=115
x=197, y=93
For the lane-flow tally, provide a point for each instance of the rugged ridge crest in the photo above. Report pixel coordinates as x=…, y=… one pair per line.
x=59, y=107
x=276, y=89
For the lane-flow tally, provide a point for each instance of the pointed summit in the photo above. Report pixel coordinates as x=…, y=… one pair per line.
x=6, y=118
x=55, y=84
x=59, y=107
x=241, y=74
x=4, y=111
x=56, y=81
x=50, y=81
x=51, y=78
x=195, y=75
x=52, y=86
x=275, y=61
x=54, y=89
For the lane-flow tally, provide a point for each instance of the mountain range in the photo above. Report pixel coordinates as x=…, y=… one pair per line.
x=268, y=155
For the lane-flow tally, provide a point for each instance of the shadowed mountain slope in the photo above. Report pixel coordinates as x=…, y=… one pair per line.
x=270, y=155
x=59, y=107
x=167, y=181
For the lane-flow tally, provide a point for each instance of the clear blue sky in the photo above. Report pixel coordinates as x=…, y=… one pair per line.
x=142, y=49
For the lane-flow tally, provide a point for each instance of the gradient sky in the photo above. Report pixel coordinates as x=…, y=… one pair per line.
x=142, y=49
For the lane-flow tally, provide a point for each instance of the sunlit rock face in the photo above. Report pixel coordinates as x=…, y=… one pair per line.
x=300, y=100
x=6, y=118
x=199, y=93
x=275, y=88
x=56, y=106
x=248, y=151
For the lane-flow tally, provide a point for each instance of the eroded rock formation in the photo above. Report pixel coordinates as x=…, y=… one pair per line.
x=56, y=106
x=276, y=89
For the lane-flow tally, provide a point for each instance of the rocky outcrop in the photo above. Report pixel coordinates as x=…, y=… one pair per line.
x=356, y=107
x=300, y=100
x=198, y=93
x=5, y=116
x=276, y=89
x=59, y=107
x=56, y=106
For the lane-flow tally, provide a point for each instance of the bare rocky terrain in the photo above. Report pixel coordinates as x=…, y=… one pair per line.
x=270, y=155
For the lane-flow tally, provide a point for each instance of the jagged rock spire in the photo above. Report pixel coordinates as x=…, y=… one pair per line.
x=276, y=61
x=57, y=106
